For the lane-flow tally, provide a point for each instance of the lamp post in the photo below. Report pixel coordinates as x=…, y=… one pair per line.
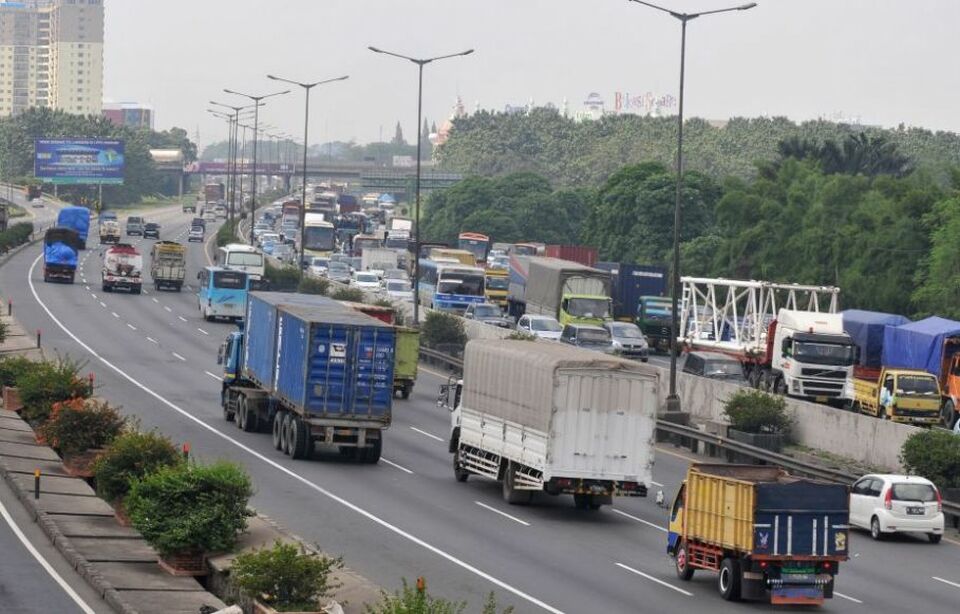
x=232, y=155
x=673, y=400
x=257, y=100
x=420, y=62
x=306, y=136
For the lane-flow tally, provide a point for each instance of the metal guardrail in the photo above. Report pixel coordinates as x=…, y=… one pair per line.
x=664, y=426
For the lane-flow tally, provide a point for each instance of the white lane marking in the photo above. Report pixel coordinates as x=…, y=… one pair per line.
x=847, y=597
x=289, y=472
x=145, y=292
x=151, y=340
x=220, y=379
x=102, y=304
x=203, y=331
x=657, y=580
x=430, y=435
x=182, y=319
x=154, y=300
x=115, y=314
x=656, y=484
x=640, y=520
x=504, y=514
x=93, y=295
x=953, y=584
x=178, y=356
x=168, y=309
x=394, y=465
x=86, y=287
x=43, y=562
x=131, y=326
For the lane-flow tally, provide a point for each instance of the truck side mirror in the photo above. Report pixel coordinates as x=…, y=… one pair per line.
x=442, y=395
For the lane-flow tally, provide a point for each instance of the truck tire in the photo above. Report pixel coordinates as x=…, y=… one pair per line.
x=277, y=431
x=728, y=580
x=300, y=442
x=406, y=390
x=105, y=288
x=241, y=416
x=251, y=422
x=225, y=401
x=348, y=452
x=135, y=290
x=586, y=502
x=371, y=455
x=178, y=287
x=285, y=433
x=458, y=471
x=948, y=415
x=681, y=562
x=511, y=494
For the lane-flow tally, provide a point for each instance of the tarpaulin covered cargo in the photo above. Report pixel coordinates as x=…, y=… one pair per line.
x=919, y=345
x=60, y=254
x=77, y=218
x=866, y=330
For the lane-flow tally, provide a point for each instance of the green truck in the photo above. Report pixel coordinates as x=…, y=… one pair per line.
x=406, y=357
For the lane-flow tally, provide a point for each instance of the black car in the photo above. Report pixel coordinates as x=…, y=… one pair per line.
x=151, y=230
x=714, y=365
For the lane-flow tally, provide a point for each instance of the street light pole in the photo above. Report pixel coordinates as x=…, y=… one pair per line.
x=306, y=136
x=232, y=155
x=420, y=62
x=257, y=100
x=673, y=400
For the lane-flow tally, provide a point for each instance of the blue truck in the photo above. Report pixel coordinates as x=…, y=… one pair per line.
x=311, y=370
x=630, y=282
x=61, y=246
x=77, y=218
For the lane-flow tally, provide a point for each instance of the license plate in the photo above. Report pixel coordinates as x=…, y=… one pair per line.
x=821, y=399
x=916, y=511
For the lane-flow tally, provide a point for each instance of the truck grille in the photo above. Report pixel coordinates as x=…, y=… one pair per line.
x=824, y=373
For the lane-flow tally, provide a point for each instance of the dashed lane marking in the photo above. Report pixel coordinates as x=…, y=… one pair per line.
x=652, y=579
x=395, y=465
x=430, y=435
x=152, y=340
x=504, y=514
x=640, y=520
x=178, y=356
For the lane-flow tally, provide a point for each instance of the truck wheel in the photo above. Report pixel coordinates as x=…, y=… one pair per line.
x=300, y=442
x=241, y=417
x=585, y=502
x=948, y=414
x=348, y=452
x=227, y=414
x=277, y=432
x=105, y=288
x=135, y=290
x=250, y=418
x=371, y=455
x=458, y=471
x=780, y=386
x=285, y=433
x=682, y=564
x=728, y=580
x=510, y=493
x=405, y=391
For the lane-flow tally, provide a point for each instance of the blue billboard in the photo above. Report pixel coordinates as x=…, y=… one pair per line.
x=79, y=161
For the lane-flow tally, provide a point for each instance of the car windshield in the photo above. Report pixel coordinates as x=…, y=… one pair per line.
x=914, y=492
x=545, y=326
x=588, y=307
x=320, y=262
x=625, y=330
x=824, y=353
x=590, y=335
x=196, y=230
x=722, y=367
x=367, y=278
x=486, y=311
x=498, y=283
x=917, y=384
x=398, y=286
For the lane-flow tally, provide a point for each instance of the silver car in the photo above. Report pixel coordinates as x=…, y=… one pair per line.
x=628, y=341
x=487, y=313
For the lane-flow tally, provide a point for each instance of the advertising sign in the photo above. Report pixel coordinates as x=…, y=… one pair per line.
x=79, y=161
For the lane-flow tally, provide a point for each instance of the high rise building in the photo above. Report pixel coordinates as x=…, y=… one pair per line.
x=51, y=55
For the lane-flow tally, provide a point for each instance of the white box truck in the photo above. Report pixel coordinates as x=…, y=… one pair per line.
x=544, y=417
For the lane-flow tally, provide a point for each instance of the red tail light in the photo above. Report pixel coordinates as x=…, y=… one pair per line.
x=763, y=564
x=939, y=500
x=827, y=566
x=888, y=499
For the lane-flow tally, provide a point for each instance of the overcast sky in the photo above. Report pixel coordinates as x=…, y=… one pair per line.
x=885, y=61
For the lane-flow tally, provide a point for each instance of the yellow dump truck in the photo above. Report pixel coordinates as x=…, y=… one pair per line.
x=768, y=536
x=900, y=395
x=168, y=261
x=497, y=282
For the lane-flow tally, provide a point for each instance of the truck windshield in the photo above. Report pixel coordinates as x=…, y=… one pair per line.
x=318, y=238
x=588, y=307
x=465, y=285
x=230, y=280
x=498, y=283
x=656, y=310
x=915, y=384
x=824, y=353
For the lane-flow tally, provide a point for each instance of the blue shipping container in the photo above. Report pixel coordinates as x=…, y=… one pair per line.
x=260, y=338
x=630, y=282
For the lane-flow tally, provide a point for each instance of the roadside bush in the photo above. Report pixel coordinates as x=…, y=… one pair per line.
x=415, y=600
x=227, y=233
x=281, y=279
x=191, y=508
x=132, y=456
x=348, y=294
x=311, y=285
x=935, y=455
x=285, y=577
x=754, y=411
x=442, y=331
x=12, y=368
x=15, y=235
x=3, y=331
x=79, y=425
x=49, y=382
x=518, y=335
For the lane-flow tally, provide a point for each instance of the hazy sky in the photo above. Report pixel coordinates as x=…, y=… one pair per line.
x=886, y=61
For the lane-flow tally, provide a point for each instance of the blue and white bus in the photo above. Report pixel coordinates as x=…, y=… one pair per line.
x=450, y=286
x=223, y=293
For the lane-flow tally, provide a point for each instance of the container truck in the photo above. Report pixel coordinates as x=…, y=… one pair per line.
x=544, y=417
x=568, y=291
x=312, y=371
x=497, y=282
x=61, y=246
x=168, y=262
x=910, y=396
x=587, y=256
x=767, y=535
x=931, y=345
x=77, y=218
x=629, y=282
x=799, y=350
x=122, y=268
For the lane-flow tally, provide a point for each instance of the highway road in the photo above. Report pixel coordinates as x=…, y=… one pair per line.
x=407, y=517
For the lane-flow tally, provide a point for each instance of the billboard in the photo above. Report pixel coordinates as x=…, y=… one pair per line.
x=79, y=161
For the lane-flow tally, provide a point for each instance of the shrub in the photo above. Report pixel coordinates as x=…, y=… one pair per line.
x=12, y=368
x=354, y=295
x=518, y=335
x=15, y=235
x=46, y=383
x=935, y=455
x=443, y=331
x=412, y=600
x=310, y=285
x=79, y=425
x=285, y=577
x=227, y=233
x=754, y=411
x=281, y=279
x=190, y=508
x=132, y=456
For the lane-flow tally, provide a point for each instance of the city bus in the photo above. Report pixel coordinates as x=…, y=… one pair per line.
x=222, y=293
x=241, y=257
x=450, y=286
x=475, y=243
x=319, y=237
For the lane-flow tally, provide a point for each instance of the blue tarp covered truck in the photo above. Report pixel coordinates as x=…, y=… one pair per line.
x=77, y=218
x=866, y=329
x=60, y=249
x=311, y=370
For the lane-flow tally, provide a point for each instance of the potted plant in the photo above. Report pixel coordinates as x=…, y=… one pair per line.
x=758, y=419
x=935, y=455
x=78, y=430
x=188, y=510
x=284, y=578
x=131, y=457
